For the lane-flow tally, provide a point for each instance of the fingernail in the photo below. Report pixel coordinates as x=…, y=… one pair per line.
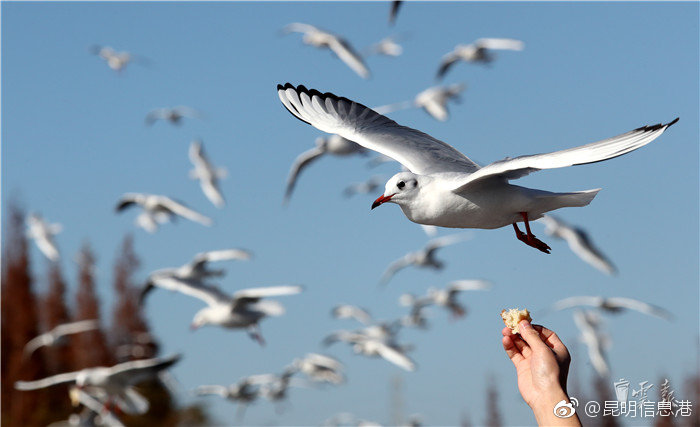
x=525, y=325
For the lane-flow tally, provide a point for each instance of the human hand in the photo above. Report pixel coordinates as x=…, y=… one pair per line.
x=542, y=364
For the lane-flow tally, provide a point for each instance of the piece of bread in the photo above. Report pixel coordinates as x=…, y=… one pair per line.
x=513, y=316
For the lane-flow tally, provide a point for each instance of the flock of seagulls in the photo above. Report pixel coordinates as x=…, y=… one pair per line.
x=437, y=187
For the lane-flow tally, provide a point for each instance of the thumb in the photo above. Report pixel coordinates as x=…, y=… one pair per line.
x=531, y=336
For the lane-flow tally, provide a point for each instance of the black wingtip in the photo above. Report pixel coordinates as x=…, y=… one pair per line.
x=658, y=126
x=673, y=122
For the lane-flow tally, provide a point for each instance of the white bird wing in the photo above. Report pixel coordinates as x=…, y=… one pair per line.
x=301, y=162
x=47, y=247
x=395, y=357
x=419, y=152
x=37, y=342
x=95, y=406
x=270, y=291
x=470, y=285
x=47, y=382
x=448, y=60
x=323, y=360
x=212, y=192
x=157, y=114
x=136, y=371
x=345, y=311
x=640, y=306
x=436, y=109
x=502, y=44
x=298, y=27
x=349, y=56
x=188, y=112
x=185, y=212
x=209, y=294
x=508, y=169
x=581, y=245
x=219, y=390
x=76, y=327
x=395, y=266
x=576, y=301
x=221, y=255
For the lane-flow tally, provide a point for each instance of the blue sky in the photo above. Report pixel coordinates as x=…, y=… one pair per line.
x=73, y=141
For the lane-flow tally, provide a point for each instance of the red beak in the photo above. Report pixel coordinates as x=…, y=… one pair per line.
x=380, y=200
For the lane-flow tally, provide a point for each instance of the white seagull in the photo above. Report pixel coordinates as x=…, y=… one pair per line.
x=365, y=187
x=174, y=115
x=347, y=311
x=374, y=343
x=320, y=368
x=432, y=100
x=447, y=297
x=57, y=335
x=579, y=243
x=207, y=174
x=158, y=210
x=117, y=61
x=95, y=412
x=444, y=187
x=333, y=144
x=243, y=392
x=613, y=305
x=245, y=309
x=479, y=51
x=388, y=46
x=588, y=323
x=323, y=39
x=115, y=382
x=42, y=233
x=195, y=271
x=424, y=258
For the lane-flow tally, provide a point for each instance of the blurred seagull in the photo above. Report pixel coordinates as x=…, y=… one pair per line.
x=323, y=39
x=332, y=144
x=588, y=323
x=613, y=305
x=365, y=343
x=42, y=233
x=173, y=115
x=424, y=257
x=416, y=317
x=365, y=187
x=243, y=392
x=447, y=297
x=347, y=311
x=158, y=210
x=95, y=412
x=207, y=174
x=579, y=243
x=479, y=51
x=117, y=61
x=388, y=46
x=245, y=309
x=116, y=381
x=395, y=5
x=195, y=271
x=444, y=187
x=57, y=335
x=320, y=368
x=432, y=100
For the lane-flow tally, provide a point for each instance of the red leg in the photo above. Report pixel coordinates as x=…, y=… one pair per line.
x=529, y=238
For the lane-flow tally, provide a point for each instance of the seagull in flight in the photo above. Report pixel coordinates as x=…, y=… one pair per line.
x=207, y=174
x=244, y=392
x=432, y=100
x=117, y=61
x=588, y=322
x=42, y=233
x=244, y=309
x=613, y=305
x=422, y=258
x=579, y=243
x=320, y=368
x=446, y=188
x=323, y=39
x=158, y=210
x=333, y=144
x=116, y=382
x=447, y=297
x=388, y=46
x=375, y=341
x=195, y=271
x=174, y=115
x=57, y=335
x=477, y=52
x=347, y=311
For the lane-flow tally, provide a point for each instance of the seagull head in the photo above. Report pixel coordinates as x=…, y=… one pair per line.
x=401, y=188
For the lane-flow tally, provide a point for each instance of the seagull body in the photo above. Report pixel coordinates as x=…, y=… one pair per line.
x=158, y=210
x=579, y=243
x=194, y=272
x=114, y=382
x=477, y=52
x=207, y=174
x=446, y=188
x=347, y=311
x=42, y=233
x=173, y=115
x=57, y=335
x=613, y=305
x=323, y=39
x=320, y=368
x=447, y=297
x=432, y=100
x=117, y=61
x=424, y=258
x=378, y=340
x=588, y=323
x=387, y=46
x=245, y=309
x=333, y=144
x=416, y=317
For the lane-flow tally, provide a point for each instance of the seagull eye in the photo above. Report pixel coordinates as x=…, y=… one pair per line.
x=401, y=184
